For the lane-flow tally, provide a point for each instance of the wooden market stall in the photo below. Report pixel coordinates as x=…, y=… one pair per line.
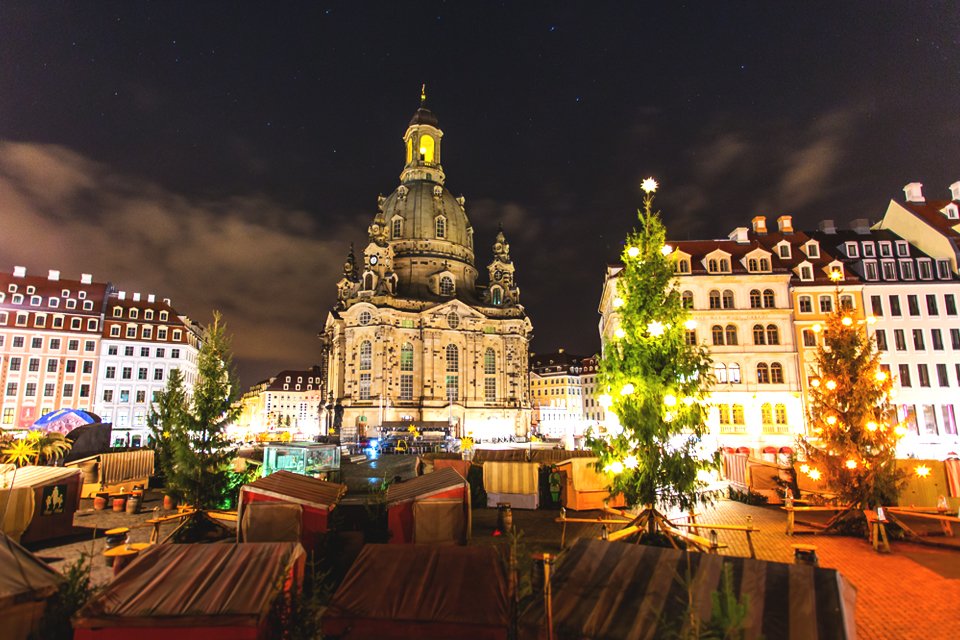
x=615, y=590
x=194, y=591
x=515, y=483
x=424, y=591
x=112, y=471
x=26, y=584
x=315, y=498
x=432, y=508
x=585, y=488
x=39, y=502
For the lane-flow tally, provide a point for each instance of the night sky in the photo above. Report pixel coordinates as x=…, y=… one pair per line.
x=226, y=154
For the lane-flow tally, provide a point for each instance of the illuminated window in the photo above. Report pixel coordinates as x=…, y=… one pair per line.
x=406, y=357
x=731, y=332
x=366, y=355
x=763, y=373
x=446, y=286
x=409, y=149
x=427, y=147
x=489, y=361
x=737, y=411
x=441, y=227
x=769, y=300
x=717, y=335
x=364, y=386
x=756, y=300
x=453, y=358
x=766, y=413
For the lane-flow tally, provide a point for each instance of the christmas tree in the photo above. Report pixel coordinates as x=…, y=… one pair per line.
x=201, y=452
x=655, y=379
x=852, y=424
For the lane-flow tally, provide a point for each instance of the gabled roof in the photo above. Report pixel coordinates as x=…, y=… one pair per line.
x=425, y=485
x=930, y=212
x=300, y=489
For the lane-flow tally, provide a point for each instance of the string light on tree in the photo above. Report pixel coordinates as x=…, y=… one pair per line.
x=652, y=367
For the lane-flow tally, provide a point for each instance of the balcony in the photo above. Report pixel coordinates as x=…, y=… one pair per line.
x=733, y=429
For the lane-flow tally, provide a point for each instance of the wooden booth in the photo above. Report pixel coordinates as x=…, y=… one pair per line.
x=432, y=508
x=584, y=488
x=194, y=592
x=616, y=590
x=423, y=591
x=285, y=506
x=515, y=483
x=39, y=502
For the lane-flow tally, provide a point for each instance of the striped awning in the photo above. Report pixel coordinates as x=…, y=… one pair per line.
x=617, y=590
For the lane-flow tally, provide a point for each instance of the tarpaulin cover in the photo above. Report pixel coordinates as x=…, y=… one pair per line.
x=617, y=590
x=735, y=468
x=412, y=516
x=460, y=466
x=424, y=485
x=271, y=522
x=499, y=455
x=65, y=420
x=194, y=586
x=421, y=591
x=25, y=584
x=555, y=456
x=301, y=489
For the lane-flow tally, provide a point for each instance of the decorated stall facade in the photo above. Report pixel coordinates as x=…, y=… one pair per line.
x=38, y=503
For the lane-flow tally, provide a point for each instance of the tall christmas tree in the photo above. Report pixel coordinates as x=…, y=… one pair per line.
x=655, y=379
x=202, y=453
x=853, y=427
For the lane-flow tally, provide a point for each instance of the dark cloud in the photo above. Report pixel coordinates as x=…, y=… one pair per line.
x=270, y=269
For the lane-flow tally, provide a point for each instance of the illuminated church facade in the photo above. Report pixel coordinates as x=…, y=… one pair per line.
x=418, y=335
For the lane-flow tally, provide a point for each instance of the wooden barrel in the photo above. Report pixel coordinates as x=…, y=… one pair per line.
x=134, y=502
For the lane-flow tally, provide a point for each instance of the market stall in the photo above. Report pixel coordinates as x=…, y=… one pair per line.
x=114, y=471
x=515, y=483
x=315, y=498
x=584, y=488
x=432, y=508
x=615, y=590
x=425, y=591
x=38, y=503
x=26, y=583
x=194, y=591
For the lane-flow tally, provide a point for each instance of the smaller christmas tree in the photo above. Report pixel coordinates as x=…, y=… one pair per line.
x=853, y=426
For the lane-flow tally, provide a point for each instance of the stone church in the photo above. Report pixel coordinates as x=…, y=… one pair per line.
x=417, y=335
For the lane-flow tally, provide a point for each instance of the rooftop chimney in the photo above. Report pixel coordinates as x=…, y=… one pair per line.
x=740, y=235
x=136, y=297
x=759, y=224
x=151, y=298
x=785, y=224
x=86, y=278
x=914, y=192
x=827, y=226
x=166, y=301
x=19, y=272
x=860, y=226
x=955, y=191
x=122, y=295
x=53, y=274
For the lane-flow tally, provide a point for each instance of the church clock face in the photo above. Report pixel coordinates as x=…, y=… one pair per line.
x=498, y=247
x=374, y=260
x=498, y=274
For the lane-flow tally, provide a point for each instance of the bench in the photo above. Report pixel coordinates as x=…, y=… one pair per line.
x=698, y=542
x=747, y=529
x=791, y=511
x=878, y=532
x=946, y=521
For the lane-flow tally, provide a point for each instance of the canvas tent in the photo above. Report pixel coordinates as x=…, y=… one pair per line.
x=194, y=591
x=39, y=502
x=616, y=590
x=513, y=482
x=432, y=508
x=424, y=591
x=26, y=584
x=315, y=498
x=584, y=488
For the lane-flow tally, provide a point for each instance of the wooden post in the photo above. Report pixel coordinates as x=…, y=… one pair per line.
x=548, y=594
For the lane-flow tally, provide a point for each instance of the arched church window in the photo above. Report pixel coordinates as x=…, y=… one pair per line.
x=489, y=361
x=397, y=227
x=496, y=296
x=406, y=357
x=366, y=356
x=446, y=286
x=687, y=299
x=441, y=227
x=368, y=281
x=427, y=148
x=409, y=149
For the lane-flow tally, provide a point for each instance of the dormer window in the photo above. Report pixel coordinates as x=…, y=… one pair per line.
x=950, y=211
x=869, y=250
x=943, y=270
x=148, y=314
x=925, y=269
x=783, y=250
x=713, y=266
x=31, y=290
x=446, y=286
x=65, y=293
x=163, y=316
x=812, y=249
x=35, y=301
x=886, y=250
x=724, y=265
x=806, y=272
x=753, y=265
x=852, y=250
x=396, y=228
x=441, y=227
x=903, y=249
x=134, y=313
x=117, y=312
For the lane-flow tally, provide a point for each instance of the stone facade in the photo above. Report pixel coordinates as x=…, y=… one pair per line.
x=414, y=337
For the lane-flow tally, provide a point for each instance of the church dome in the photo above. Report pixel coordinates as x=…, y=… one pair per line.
x=423, y=217
x=424, y=116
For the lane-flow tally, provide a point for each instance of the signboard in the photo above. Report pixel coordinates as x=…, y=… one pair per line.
x=52, y=500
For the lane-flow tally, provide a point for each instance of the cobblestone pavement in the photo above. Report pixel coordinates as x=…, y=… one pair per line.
x=897, y=596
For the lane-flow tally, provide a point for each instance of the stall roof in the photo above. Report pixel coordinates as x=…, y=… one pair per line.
x=37, y=476
x=23, y=574
x=617, y=590
x=294, y=487
x=175, y=584
x=424, y=583
x=423, y=486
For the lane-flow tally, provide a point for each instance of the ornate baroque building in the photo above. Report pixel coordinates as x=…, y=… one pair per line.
x=417, y=335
